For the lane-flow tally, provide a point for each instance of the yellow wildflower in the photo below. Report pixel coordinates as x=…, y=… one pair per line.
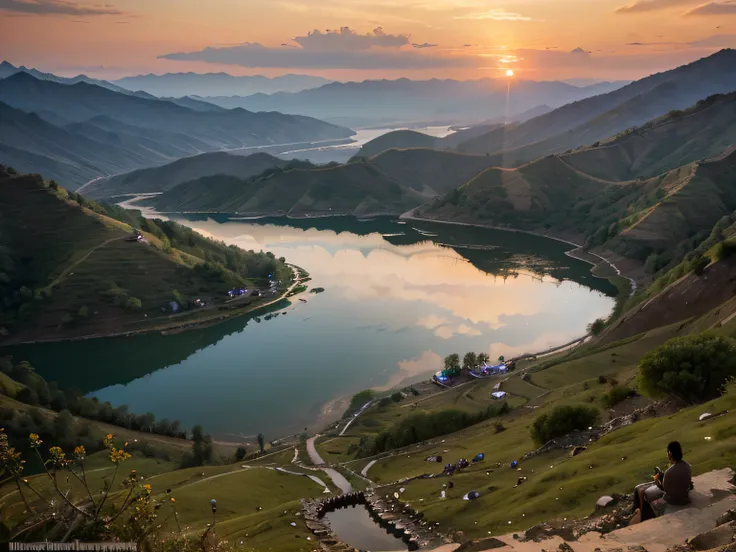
x=34, y=440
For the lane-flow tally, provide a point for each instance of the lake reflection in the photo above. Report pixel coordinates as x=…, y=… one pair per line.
x=399, y=297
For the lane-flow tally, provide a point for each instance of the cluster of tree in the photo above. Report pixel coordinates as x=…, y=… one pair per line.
x=63, y=430
x=471, y=361
x=202, y=451
x=615, y=396
x=37, y=392
x=425, y=425
x=562, y=420
x=693, y=368
x=358, y=401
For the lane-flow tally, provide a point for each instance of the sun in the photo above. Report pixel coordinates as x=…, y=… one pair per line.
x=509, y=72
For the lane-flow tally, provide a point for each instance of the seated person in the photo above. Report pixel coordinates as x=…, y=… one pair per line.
x=674, y=486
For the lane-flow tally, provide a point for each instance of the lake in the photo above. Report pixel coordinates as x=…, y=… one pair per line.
x=398, y=298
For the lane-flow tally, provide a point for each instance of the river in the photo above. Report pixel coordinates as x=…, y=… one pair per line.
x=398, y=298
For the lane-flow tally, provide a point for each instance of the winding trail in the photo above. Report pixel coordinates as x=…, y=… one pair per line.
x=337, y=478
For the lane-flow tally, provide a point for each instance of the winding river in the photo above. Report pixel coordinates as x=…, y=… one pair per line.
x=398, y=298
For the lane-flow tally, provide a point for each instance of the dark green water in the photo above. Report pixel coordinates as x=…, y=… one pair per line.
x=397, y=300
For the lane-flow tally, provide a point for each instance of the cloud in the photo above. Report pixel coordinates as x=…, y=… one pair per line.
x=715, y=8
x=496, y=14
x=425, y=45
x=337, y=49
x=652, y=5
x=56, y=7
x=348, y=40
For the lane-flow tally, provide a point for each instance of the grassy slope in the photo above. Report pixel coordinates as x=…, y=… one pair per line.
x=674, y=140
x=641, y=217
x=76, y=253
x=428, y=171
x=296, y=191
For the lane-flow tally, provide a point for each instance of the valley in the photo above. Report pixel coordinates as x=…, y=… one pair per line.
x=479, y=311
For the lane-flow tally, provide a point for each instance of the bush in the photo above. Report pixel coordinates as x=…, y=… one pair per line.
x=693, y=367
x=385, y=401
x=699, y=265
x=562, y=420
x=725, y=249
x=396, y=397
x=615, y=396
x=426, y=425
x=596, y=327
x=358, y=401
x=240, y=453
x=133, y=304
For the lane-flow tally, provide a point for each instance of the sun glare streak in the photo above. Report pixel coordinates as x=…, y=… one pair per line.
x=509, y=72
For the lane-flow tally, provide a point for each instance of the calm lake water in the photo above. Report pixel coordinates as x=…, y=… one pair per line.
x=355, y=526
x=398, y=298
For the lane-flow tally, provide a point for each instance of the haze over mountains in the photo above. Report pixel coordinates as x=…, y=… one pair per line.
x=76, y=132
x=217, y=84
x=386, y=102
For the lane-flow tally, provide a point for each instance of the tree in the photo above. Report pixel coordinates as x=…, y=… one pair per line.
x=470, y=361
x=692, y=368
x=596, y=327
x=177, y=296
x=452, y=362
x=240, y=453
x=483, y=358
x=562, y=420
x=262, y=442
x=133, y=304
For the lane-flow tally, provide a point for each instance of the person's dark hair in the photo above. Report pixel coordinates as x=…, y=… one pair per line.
x=675, y=449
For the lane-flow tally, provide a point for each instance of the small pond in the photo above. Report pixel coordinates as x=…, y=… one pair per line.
x=355, y=526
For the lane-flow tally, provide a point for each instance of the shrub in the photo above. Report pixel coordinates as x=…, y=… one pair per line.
x=725, y=249
x=396, y=397
x=358, y=401
x=385, y=401
x=596, y=327
x=615, y=396
x=562, y=420
x=133, y=304
x=693, y=367
x=425, y=425
x=699, y=265
x=240, y=453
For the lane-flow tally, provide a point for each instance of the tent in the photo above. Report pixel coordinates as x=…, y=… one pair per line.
x=499, y=394
x=472, y=495
x=479, y=457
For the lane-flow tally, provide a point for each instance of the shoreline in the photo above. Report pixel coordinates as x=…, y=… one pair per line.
x=409, y=215
x=174, y=327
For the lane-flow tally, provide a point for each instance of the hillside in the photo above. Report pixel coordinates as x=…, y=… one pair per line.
x=69, y=267
x=357, y=188
x=430, y=172
x=161, y=179
x=403, y=101
x=74, y=133
x=595, y=118
x=405, y=139
x=678, y=138
x=633, y=220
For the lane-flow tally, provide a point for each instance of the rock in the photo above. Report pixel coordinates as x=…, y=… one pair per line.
x=564, y=547
x=705, y=416
x=604, y=501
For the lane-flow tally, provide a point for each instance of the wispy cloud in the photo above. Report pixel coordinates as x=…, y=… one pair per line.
x=332, y=49
x=496, y=14
x=715, y=8
x=653, y=5
x=56, y=7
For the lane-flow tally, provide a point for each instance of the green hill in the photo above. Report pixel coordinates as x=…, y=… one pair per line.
x=635, y=219
x=68, y=267
x=356, y=188
x=161, y=179
x=398, y=139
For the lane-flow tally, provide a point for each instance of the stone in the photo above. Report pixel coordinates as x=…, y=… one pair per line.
x=604, y=501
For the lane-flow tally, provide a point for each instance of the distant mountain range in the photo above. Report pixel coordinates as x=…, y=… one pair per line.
x=404, y=101
x=76, y=132
x=217, y=84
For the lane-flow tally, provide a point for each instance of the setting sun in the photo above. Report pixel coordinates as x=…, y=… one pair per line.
x=509, y=72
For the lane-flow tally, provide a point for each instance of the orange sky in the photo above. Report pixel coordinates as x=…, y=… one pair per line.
x=415, y=38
